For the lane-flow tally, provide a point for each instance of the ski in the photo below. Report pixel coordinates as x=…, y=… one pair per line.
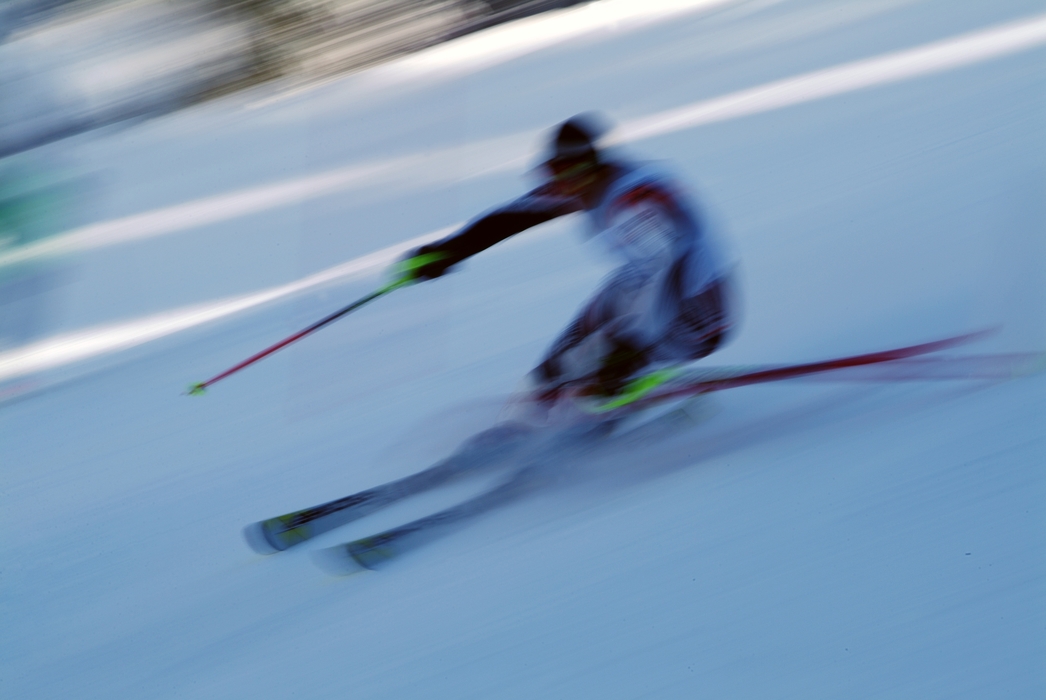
x=487, y=449
x=376, y=550
x=679, y=383
x=282, y=532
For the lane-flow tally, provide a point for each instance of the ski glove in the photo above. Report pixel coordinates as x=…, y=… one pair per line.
x=426, y=263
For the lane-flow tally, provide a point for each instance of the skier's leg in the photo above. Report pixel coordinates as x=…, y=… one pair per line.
x=482, y=451
x=592, y=336
x=700, y=325
x=577, y=353
x=371, y=552
x=485, y=450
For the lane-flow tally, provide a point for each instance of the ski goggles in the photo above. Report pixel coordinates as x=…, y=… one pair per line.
x=563, y=169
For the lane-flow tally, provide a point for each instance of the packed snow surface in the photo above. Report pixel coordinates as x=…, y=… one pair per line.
x=879, y=166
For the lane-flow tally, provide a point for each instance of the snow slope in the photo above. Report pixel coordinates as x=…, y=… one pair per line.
x=806, y=540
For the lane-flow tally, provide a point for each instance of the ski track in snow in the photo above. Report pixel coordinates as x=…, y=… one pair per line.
x=804, y=539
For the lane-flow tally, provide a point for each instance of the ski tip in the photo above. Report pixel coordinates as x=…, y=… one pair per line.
x=198, y=389
x=337, y=561
x=258, y=540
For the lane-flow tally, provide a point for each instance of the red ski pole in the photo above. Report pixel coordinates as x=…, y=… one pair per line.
x=407, y=276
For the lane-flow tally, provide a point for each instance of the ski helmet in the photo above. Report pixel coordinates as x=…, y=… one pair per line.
x=576, y=139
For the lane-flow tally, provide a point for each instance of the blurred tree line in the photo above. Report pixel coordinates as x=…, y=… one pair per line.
x=69, y=66
x=313, y=38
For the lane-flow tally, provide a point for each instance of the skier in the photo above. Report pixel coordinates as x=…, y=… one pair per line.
x=668, y=302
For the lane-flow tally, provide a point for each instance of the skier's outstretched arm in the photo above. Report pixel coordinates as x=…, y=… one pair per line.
x=536, y=207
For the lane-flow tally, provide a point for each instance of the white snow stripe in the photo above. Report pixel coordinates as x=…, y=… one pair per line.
x=60, y=350
x=82, y=345
x=200, y=212
x=894, y=67
x=890, y=68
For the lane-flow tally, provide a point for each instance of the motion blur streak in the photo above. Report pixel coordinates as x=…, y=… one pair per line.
x=507, y=42
x=200, y=212
x=509, y=152
x=81, y=345
x=902, y=65
x=73, y=347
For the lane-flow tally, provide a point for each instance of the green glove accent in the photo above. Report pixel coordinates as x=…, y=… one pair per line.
x=637, y=389
x=406, y=271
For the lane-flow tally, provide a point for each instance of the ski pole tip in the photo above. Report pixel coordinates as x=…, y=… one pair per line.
x=197, y=389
